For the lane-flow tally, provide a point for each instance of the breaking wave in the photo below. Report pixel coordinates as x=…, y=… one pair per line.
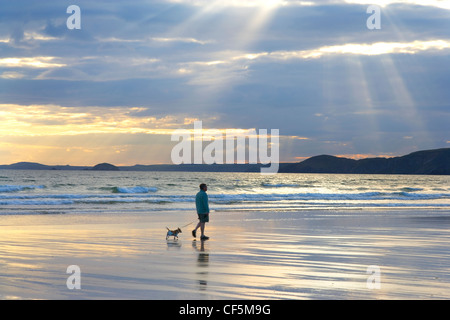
x=137, y=189
x=146, y=195
x=15, y=188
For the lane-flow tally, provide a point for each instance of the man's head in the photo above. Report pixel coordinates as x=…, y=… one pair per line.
x=203, y=187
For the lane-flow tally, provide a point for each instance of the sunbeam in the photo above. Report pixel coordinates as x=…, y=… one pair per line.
x=363, y=99
x=213, y=74
x=404, y=101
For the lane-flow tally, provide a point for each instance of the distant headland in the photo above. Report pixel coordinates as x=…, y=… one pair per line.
x=432, y=162
x=105, y=167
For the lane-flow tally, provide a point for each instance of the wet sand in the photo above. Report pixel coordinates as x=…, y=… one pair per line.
x=251, y=255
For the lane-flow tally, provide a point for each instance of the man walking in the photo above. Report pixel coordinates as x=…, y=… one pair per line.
x=201, y=202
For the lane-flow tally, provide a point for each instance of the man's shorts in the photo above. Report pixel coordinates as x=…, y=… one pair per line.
x=203, y=217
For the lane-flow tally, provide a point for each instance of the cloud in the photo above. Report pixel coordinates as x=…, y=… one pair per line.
x=230, y=67
x=378, y=48
x=33, y=35
x=155, y=39
x=12, y=75
x=31, y=62
x=433, y=3
x=227, y=66
x=44, y=120
x=246, y=3
x=181, y=39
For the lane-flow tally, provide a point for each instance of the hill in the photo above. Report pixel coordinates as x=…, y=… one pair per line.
x=105, y=167
x=27, y=166
x=421, y=162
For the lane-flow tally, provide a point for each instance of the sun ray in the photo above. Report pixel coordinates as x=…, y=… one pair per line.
x=212, y=79
x=364, y=99
x=261, y=17
x=404, y=101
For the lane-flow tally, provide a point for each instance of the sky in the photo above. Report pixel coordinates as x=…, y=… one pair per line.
x=116, y=89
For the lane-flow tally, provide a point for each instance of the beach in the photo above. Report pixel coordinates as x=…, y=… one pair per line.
x=309, y=254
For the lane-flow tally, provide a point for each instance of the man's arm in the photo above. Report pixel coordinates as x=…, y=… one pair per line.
x=205, y=202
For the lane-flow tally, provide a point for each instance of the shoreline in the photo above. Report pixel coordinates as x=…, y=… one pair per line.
x=251, y=255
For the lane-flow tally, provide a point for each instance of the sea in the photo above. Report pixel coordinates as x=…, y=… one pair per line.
x=28, y=192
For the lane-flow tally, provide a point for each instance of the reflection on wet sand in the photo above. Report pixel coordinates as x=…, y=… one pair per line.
x=173, y=244
x=202, y=263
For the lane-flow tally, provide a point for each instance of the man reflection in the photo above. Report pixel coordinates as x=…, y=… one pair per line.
x=202, y=263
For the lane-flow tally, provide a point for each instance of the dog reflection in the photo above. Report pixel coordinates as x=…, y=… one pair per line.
x=173, y=244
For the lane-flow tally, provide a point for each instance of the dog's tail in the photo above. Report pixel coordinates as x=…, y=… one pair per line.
x=167, y=228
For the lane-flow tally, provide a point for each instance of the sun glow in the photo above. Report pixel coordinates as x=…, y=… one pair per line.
x=33, y=62
x=47, y=120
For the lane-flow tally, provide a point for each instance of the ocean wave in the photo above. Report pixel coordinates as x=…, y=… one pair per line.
x=17, y=188
x=146, y=196
x=137, y=189
x=35, y=202
x=329, y=196
x=279, y=185
x=409, y=189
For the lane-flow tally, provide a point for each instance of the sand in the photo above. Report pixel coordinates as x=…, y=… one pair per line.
x=251, y=255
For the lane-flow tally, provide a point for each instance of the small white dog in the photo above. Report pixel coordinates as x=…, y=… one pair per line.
x=173, y=233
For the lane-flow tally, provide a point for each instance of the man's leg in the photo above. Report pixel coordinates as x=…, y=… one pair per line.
x=194, y=232
x=200, y=225
x=202, y=228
